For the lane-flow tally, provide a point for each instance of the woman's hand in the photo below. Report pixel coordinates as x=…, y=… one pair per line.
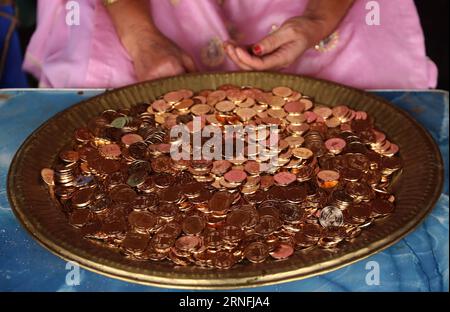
x=279, y=49
x=155, y=56
x=285, y=45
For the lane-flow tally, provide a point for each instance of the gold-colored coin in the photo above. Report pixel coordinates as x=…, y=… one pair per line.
x=200, y=109
x=245, y=114
x=249, y=102
x=282, y=91
x=225, y=106
x=302, y=153
x=276, y=113
x=296, y=120
x=276, y=102
x=294, y=141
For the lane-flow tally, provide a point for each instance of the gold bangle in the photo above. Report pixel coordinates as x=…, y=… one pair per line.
x=109, y=2
x=329, y=43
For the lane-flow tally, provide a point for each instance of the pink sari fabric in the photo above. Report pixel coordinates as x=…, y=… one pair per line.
x=391, y=55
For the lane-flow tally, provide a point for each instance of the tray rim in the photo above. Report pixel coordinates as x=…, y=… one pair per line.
x=231, y=283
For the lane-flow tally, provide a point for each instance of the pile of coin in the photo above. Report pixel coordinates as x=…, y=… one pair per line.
x=326, y=180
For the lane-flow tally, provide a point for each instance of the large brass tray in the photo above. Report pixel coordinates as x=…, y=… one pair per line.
x=416, y=190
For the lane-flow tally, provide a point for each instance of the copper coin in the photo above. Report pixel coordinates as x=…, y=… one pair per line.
x=173, y=97
x=193, y=225
x=131, y=138
x=162, y=242
x=295, y=107
x=235, y=176
x=239, y=218
x=220, y=202
x=275, y=101
x=333, y=122
x=142, y=221
x=231, y=233
x=266, y=181
x=192, y=189
x=216, y=96
x=170, y=195
x=381, y=206
x=225, y=106
x=296, y=119
x=184, y=104
x=151, y=254
x=163, y=180
x=122, y=193
x=100, y=205
x=360, y=211
x=282, y=91
x=245, y=114
x=294, y=141
x=220, y=167
x=295, y=96
x=200, y=109
x=82, y=197
x=328, y=175
x=350, y=174
x=236, y=95
x=284, y=178
x=266, y=210
x=311, y=231
x=310, y=116
x=79, y=217
x=267, y=225
x=358, y=189
x=249, y=102
x=357, y=161
x=282, y=251
x=256, y=252
x=172, y=229
x=69, y=156
x=161, y=164
x=252, y=167
x=110, y=150
x=88, y=153
x=335, y=145
x=340, y=111
x=135, y=242
x=167, y=210
x=307, y=102
x=188, y=243
x=223, y=260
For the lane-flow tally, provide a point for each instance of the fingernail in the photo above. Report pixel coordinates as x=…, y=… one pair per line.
x=257, y=49
x=239, y=52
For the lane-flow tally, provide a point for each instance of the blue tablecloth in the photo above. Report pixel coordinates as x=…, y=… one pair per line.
x=418, y=262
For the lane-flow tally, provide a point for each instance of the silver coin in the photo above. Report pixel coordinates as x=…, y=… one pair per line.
x=331, y=216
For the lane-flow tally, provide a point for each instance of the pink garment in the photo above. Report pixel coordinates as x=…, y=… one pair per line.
x=391, y=55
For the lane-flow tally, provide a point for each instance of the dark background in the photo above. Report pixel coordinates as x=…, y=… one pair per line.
x=434, y=16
